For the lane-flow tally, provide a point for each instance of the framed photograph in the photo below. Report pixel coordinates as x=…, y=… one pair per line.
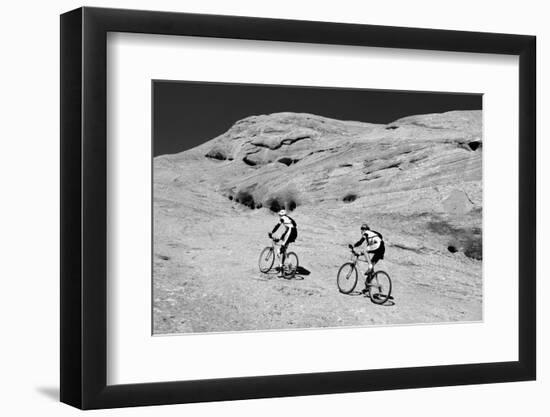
x=255, y=208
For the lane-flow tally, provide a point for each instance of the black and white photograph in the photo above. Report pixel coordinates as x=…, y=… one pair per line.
x=296, y=207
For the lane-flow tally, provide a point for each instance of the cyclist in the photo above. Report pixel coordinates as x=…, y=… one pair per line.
x=289, y=235
x=374, y=243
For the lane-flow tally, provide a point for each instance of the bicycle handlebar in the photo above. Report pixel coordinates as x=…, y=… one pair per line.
x=353, y=250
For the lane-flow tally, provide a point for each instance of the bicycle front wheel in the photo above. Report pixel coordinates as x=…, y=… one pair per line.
x=380, y=287
x=347, y=278
x=291, y=264
x=267, y=257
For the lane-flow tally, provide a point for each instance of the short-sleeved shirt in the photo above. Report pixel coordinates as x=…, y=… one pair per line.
x=372, y=240
x=287, y=222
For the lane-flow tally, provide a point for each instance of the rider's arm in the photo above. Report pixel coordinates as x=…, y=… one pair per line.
x=358, y=243
x=275, y=228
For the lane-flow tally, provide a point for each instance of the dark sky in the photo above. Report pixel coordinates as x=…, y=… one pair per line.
x=186, y=114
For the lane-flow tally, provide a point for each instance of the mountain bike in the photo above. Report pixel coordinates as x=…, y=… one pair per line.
x=268, y=255
x=377, y=284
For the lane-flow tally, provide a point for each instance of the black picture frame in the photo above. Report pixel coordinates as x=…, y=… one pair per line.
x=84, y=207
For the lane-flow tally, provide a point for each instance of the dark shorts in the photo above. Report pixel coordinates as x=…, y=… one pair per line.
x=378, y=254
x=292, y=237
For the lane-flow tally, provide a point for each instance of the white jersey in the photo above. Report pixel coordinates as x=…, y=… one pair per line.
x=372, y=240
x=288, y=222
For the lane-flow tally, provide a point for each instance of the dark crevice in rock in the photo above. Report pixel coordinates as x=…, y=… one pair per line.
x=392, y=127
x=376, y=172
x=345, y=165
x=348, y=198
x=216, y=155
x=452, y=249
x=417, y=158
x=263, y=145
x=288, y=161
x=320, y=151
x=249, y=162
x=283, y=142
x=291, y=141
x=474, y=145
x=471, y=146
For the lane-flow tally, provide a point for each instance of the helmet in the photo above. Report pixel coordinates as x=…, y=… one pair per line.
x=282, y=213
x=365, y=226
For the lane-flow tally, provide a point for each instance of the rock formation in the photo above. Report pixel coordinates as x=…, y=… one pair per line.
x=417, y=180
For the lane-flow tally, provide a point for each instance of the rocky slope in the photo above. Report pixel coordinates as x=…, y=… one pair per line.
x=416, y=180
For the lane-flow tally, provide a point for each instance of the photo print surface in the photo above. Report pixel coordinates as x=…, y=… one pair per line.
x=284, y=207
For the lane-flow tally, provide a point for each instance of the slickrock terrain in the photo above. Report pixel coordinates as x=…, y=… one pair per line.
x=416, y=180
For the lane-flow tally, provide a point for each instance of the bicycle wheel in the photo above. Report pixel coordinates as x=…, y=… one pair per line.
x=380, y=287
x=347, y=278
x=267, y=257
x=291, y=264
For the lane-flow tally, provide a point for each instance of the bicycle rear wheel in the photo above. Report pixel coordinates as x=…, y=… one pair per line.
x=380, y=287
x=347, y=278
x=291, y=264
x=267, y=257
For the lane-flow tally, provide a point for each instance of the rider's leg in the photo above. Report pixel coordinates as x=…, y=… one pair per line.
x=370, y=269
x=282, y=253
x=370, y=263
x=283, y=249
x=376, y=256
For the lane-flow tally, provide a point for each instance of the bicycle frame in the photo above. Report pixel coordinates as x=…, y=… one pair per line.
x=288, y=261
x=372, y=279
x=356, y=258
x=275, y=244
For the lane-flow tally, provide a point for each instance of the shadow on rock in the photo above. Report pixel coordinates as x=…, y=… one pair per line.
x=299, y=274
x=388, y=303
x=302, y=271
